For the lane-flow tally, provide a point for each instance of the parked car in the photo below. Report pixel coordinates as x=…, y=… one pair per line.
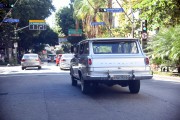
x=51, y=58
x=65, y=61
x=58, y=57
x=109, y=61
x=30, y=60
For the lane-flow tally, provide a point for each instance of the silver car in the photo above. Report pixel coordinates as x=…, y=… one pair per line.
x=109, y=61
x=65, y=61
x=30, y=60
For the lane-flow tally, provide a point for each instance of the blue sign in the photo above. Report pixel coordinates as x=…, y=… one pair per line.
x=113, y=10
x=97, y=23
x=10, y=20
x=2, y=5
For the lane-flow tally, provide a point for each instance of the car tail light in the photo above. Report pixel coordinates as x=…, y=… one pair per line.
x=23, y=60
x=37, y=60
x=146, y=60
x=89, y=61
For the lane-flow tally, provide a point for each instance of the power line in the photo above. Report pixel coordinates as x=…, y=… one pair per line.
x=101, y=19
x=8, y=13
x=124, y=11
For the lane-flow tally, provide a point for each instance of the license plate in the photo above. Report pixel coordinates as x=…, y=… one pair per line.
x=121, y=77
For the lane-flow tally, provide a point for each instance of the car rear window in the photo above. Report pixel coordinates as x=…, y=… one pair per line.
x=117, y=47
x=30, y=56
x=68, y=56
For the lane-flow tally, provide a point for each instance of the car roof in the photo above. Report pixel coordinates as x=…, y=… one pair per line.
x=104, y=39
x=30, y=54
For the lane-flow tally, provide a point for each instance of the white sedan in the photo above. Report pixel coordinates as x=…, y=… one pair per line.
x=65, y=61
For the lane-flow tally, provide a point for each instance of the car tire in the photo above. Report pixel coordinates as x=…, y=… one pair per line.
x=73, y=81
x=39, y=68
x=134, y=86
x=23, y=68
x=85, y=87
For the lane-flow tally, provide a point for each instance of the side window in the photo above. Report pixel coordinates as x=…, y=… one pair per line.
x=86, y=48
x=81, y=48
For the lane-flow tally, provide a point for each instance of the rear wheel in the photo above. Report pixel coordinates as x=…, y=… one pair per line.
x=85, y=87
x=134, y=86
x=73, y=81
x=23, y=68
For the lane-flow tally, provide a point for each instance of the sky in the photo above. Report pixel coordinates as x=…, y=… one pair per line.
x=57, y=4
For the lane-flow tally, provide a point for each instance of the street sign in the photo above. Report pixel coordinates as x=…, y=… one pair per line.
x=10, y=20
x=111, y=10
x=97, y=23
x=144, y=35
x=37, y=25
x=2, y=5
x=75, y=32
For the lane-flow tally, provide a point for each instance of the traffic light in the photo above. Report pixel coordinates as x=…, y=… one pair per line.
x=4, y=5
x=144, y=26
x=102, y=10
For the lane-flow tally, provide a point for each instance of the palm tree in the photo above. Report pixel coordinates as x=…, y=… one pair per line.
x=87, y=10
x=166, y=44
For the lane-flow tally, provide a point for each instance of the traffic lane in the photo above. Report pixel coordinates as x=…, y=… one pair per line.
x=110, y=103
x=167, y=91
x=56, y=98
x=23, y=97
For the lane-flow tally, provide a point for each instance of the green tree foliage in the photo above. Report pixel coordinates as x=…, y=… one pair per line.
x=87, y=11
x=166, y=45
x=64, y=18
x=26, y=10
x=159, y=12
x=66, y=46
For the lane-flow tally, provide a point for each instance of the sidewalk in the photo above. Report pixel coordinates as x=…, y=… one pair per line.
x=8, y=68
x=166, y=78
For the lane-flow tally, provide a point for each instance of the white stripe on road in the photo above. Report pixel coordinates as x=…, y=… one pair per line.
x=44, y=74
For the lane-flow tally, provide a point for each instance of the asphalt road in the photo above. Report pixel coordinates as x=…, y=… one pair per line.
x=47, y=94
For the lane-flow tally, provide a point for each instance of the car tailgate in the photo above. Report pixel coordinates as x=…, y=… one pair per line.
x=119, y=62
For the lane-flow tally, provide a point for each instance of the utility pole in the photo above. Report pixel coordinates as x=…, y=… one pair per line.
x=132, y=32
x=15, y=46
x=110, y=14
x=16, y=43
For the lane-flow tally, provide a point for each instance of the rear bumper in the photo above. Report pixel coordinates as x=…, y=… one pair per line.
x=131, y=75
x=30, y=65
x=111, y=78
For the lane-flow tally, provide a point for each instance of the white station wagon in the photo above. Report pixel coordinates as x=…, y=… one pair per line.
x=30, y=60
x=109, y=61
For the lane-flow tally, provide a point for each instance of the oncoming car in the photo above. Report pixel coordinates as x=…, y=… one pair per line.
x=65, y=61
x=30, y=60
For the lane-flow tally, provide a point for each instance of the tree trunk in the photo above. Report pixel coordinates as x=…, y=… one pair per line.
x=178, y=69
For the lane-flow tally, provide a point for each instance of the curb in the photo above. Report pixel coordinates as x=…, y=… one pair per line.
x=167, y=77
